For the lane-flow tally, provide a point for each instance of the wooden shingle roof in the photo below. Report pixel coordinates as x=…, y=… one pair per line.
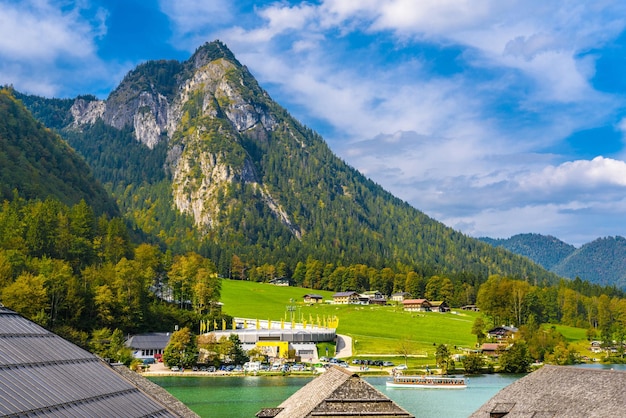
x=560, y=391
x=43, y=375
x=337, y=392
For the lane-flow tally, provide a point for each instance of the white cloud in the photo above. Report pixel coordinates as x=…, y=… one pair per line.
x=191, y=16
x=39, y=31
x=44, y=44
x=581, y=174
x=282, y=19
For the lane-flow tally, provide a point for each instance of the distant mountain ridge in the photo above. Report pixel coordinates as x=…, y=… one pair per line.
x=198, y=154
x=602, y=261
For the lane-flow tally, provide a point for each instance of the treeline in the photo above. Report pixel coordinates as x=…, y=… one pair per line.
x=601, y=310
x=506, y=300
x=76, y=273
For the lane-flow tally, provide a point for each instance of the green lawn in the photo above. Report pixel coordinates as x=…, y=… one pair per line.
x=570, y=333
x=376, y=330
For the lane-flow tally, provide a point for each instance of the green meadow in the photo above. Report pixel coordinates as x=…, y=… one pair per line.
x=377, y=331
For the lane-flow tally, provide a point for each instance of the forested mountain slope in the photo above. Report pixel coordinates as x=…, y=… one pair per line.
x=544, y=250
x=602, y=261
x=38, y=164
x=198, y=154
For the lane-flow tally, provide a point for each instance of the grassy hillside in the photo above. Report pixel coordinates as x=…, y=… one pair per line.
x=375, y=330
x=378, y=332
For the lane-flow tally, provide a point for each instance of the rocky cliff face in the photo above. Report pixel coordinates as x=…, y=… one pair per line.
x=204, y=116
x=146, y=111
x=87, y=111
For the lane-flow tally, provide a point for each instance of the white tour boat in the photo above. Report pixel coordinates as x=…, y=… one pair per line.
x=427, y=382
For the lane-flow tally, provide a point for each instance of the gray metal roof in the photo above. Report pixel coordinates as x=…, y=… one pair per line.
x=41, y=374
x=560, y=391
x=149, y=341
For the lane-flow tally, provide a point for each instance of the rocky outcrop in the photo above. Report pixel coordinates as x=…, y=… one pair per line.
x=145, y=111
x=199, y=177
x=197, y=181
x=150, y=118
x=86, y=111
x=204, y=110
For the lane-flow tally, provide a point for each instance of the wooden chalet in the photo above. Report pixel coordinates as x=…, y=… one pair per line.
x=336, y=393
x=492, y=349
x=372, y=294
x=372, y=297
x=416, y=305
x=400, y=296
x=280, y=281
x=313, y=298
x=439, y=306
x=378, y=301
x=559, y=392
x=346, y=297
x=502, y=332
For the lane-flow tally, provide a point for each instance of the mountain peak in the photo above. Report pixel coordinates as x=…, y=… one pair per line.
x=211, y=51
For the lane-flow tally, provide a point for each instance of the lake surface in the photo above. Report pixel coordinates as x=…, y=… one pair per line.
x=245, y=396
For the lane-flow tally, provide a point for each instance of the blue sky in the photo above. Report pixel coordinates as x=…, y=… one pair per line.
x=493, y=117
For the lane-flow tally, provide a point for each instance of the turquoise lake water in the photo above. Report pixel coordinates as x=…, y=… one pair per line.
x=245, y=396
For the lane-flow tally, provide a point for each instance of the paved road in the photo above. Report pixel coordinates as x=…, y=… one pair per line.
x=344, y=346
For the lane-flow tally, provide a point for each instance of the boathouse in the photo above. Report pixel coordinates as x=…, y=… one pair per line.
x=560, y=391
x=336, y=392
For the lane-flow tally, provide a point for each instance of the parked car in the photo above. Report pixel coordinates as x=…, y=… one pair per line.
x=402, y=367
x=175, y=368
x=387, y=363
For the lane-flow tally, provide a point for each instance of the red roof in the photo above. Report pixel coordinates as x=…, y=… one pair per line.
x=415, y=301
x=491, y=347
